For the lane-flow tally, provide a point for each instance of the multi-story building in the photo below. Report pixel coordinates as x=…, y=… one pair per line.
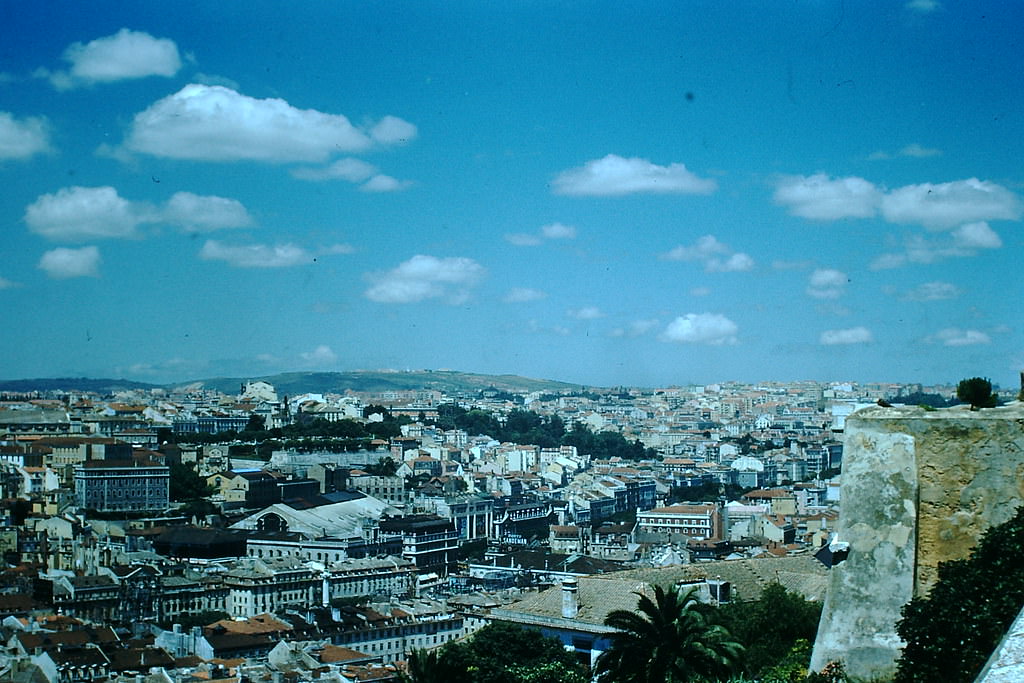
x=428, y=540
x=389, y=489
x=386, y=576
x=689, y=522
x=256, y=586
x=121, y=485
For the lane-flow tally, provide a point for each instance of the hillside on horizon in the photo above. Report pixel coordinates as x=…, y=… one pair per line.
x=292, y=383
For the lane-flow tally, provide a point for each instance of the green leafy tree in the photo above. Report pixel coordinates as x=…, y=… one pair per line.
x=506, y=653
x=476, y=422
x=672, y=638
x=977, y=391
x=548, y=672
x=256, y=423
x=771, y=626
x=186, y=484
x=951, y=632
x=431, y=666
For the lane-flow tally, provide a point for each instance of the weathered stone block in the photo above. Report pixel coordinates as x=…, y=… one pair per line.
x=918, y=488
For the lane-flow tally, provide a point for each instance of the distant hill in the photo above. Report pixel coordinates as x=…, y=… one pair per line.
x=293, y=383
x=100, y=386
x=448, y=381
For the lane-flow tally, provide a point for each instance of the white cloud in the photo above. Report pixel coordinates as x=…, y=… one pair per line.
x=558, y=231
x=214, y=123
x=520, y=295
x=827, y=283
x=384, y=183
x=426, y=277
x=936, y=206
x=22, y=139
x=350, y=169
x=716, y=256
x=585, y=313
x=255, y=255
x=616, y=176
x=700, y=291
x=551, y=231
x=819, y=197
x=701, y=328
x=196, y=213
x=320, y=356
x=704, y=248
x=963, y=242
x=62, y=263
x=977, y=236
x=85, y=213
x=392, y=130
x=82, y=213
x=940, y=206
x=933, y=291
x=125, y=55
x=8, y=284
x=736, y=263
x=853, y=335
x=953, y=336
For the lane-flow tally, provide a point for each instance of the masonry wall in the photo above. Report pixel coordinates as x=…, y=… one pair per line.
x=918, y=488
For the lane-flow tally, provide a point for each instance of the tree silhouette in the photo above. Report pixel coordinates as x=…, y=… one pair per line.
x=977, y=391
x=669, y=639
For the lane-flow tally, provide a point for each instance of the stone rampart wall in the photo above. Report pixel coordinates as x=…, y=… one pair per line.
x=919, y=487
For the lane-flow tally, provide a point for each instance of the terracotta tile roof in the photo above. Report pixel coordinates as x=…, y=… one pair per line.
x=331, y=654
x=260, y=624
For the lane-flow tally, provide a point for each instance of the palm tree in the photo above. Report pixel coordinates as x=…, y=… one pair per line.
x=671, y=639
x=430, y=666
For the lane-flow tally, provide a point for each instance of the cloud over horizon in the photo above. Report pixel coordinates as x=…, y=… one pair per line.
x=123, y=56
x=23, y=139
x=827, y=283
x=63, y=263
x=714, y=255
x=256, y=255
x=701, y=328
x=426, y=277
x=215, y=123
x=75, y=214
x=615, y=176
x=551, y=231
x=936, y=206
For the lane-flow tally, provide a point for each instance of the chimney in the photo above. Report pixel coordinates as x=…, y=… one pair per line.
x=570, y=600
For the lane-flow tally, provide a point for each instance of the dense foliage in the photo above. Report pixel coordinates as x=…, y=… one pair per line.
x=977, y=391
x=186, y=484
x=951, y=632
x=498, y=653
x=775, y=630
x=673, y=638
x=527, y=427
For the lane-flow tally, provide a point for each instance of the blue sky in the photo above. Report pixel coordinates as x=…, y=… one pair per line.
x=604, y=193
